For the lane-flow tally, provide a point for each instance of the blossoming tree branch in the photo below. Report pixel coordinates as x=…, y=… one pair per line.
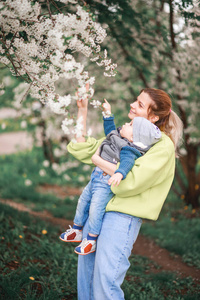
x=38, y=42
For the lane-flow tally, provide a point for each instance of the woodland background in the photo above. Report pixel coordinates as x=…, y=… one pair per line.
x=154, y=44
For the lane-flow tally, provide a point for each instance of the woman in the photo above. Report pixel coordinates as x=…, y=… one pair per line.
x=140, y=195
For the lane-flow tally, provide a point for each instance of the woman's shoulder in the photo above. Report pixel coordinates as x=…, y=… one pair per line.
x=164, y=144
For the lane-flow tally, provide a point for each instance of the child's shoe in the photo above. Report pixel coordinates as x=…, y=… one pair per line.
x=86, y=247
x=71, y=235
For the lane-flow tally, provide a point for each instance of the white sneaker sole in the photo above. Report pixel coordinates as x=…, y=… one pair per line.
x=84, y=253
x=72, y=241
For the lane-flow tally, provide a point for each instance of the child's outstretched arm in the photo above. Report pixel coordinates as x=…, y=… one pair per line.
x=82, y=113
x=108, y=120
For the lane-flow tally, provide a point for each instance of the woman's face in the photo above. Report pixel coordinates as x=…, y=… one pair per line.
x=140, y=107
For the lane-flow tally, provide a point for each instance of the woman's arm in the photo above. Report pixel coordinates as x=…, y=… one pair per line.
x=82, y=113
x=104, y=165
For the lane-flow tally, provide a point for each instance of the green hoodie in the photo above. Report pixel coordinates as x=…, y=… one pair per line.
x=143, y=192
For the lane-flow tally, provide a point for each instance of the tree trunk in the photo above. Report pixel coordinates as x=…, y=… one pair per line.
x=192, y=193
x=189, y=162
x=47, y=145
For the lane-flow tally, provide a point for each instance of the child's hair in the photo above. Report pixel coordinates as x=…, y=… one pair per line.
x=168, y=122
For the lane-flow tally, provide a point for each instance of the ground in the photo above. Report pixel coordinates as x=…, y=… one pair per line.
x=10, y=142
x=143, y=246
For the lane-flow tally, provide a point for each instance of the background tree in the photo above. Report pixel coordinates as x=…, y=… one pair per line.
x=155, y=44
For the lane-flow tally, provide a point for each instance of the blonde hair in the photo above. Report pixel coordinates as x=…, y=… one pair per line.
x=169, y=122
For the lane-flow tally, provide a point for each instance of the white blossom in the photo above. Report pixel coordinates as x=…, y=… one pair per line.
x=78, y=129
x=95, y=103
x=42, y=56
x=106, y=114
x=81, y=178
x=89, y=132
x=86, y=168
x=28, y=182
x=55, y=166
x=3, y=126
x=46, y=163
x=23, y=124
x=66, y=177
x=42, y=172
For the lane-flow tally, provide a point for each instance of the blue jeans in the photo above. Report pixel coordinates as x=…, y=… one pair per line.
x=100, y=274
x=93, y=201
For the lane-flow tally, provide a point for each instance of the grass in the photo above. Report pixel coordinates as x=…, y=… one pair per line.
x=181, y=237
x=14, y=125
x=142, y=284
x=19, y=168
x=177, y=229
x=35, y=264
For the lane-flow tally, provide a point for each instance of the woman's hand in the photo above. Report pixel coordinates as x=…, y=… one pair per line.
x=115, y=179
x=106, y=107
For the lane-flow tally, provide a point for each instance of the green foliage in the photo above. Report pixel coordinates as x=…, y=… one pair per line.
x=18, y=168
x=13, y=125
x=35, y=264
x=177, y=230
x=142, y=283
x=181, y=237
x=8, y=96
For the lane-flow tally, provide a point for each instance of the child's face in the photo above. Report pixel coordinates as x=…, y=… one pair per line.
x=127, y=131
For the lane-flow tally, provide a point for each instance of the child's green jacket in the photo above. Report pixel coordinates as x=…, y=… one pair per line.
x=143, y=192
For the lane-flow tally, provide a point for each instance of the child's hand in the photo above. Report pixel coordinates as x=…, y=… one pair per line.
x=115, y=179
x=80, y=102
x=106, y=107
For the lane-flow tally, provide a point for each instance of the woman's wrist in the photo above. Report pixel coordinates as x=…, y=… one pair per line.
x=80, y=139
x=83, y=110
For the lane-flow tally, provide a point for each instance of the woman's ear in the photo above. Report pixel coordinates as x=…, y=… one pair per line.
x=153, y=118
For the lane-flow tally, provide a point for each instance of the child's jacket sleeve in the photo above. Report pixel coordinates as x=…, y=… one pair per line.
x=108, y=124
x=128, y=155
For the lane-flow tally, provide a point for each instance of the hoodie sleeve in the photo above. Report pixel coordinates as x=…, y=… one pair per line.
x=128, y=155
x=84, y=151
x=109, y=125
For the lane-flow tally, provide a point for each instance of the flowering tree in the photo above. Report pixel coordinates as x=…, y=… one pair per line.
x=186, y=77
x=38, y=42
x=157, y=45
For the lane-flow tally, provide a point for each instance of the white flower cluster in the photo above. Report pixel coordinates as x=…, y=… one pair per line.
x=36, y=47
x=106, y=114
x=78, y=128
x=95, y=103
x=66, y=123
x=2, y=89
x=60, y=106
x=107, y=63
x=61, y=168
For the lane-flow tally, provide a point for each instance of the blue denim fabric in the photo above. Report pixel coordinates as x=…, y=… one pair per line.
x=100, y=274
x=93, y=201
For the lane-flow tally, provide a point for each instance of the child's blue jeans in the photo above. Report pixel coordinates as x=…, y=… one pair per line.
x=93, y=201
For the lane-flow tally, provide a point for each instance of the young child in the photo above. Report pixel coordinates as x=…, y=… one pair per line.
x=122, y=145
